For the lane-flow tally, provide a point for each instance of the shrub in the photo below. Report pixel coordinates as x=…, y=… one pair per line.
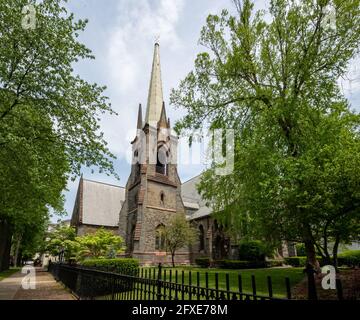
x=239, y=264
x=119, y=265
x=296, y=261
x=350, y=258
x=203, y=262
x=300, y=261
x=252, y=250
x=274, y=263
x=300, y=250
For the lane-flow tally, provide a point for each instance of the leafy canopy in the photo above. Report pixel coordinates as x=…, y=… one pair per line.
x=100, y=244
x=179, y=233
x=49, y=115
x=275, y=82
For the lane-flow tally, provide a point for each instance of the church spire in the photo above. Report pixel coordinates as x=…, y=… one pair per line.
x=139, y=121
x=155, y=96
x=163, y=120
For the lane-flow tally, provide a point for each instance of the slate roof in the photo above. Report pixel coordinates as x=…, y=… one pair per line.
x=101, y=203
x=192, y=199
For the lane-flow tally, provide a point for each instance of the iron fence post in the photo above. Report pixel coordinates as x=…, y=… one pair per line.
x=159, y=283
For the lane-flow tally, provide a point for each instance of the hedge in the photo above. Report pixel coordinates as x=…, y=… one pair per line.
x=118, y=265
x=274, y=263
x=350, y=258
x=252, y=250
x=300, y=250
x=295, y=261
x=203, y=262
x=240, y=264
x=300, y=261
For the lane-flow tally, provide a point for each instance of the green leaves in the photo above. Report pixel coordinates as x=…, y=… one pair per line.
x=48, y=115
x=101, y=244
x=179, y=233
x=297, y=146
x=36, y=69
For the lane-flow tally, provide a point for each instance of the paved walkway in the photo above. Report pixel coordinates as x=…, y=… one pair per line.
x=46, y=288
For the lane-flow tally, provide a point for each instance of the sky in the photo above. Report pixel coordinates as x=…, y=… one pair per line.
x=121, y=35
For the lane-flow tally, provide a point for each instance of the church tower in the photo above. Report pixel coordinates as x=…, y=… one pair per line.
x=153, y=189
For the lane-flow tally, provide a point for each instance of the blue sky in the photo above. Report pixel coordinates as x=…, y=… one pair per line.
x=121, y=34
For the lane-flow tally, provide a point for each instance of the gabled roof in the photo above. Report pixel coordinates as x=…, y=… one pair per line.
x=192, y=199
x=189, y=192
x=101, y=203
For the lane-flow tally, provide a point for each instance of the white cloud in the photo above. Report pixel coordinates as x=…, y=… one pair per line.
x=350, y=83
x=129, y=57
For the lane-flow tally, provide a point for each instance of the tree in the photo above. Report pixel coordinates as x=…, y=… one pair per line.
x=101, y=244
x=33, y=175
x=274, y=82
x=335, y=179
x=48, y=115
x=62, y=241
x=28, y=237
x=36, y=69
x=178, y=234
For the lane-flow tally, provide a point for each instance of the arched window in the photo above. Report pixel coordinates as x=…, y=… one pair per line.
x=201, y=238
x=160, y=238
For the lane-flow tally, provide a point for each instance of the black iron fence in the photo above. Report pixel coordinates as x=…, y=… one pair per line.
x=158, y=284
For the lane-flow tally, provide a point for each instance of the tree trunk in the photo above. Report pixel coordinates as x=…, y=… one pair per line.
x=335, y=252
x=325, y=255
x=17, y=247
x=5, y=244
x=19, y=259
x=311, y=255
x=173, y=259
x=310, y=248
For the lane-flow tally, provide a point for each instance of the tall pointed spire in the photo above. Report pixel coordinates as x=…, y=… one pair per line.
x=139, y=121
x=155, y=97
x=163, y=121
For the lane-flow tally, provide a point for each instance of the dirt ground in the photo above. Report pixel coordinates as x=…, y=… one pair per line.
x=350, y=280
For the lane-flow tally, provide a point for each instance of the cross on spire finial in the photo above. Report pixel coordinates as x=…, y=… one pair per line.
x=157, y=38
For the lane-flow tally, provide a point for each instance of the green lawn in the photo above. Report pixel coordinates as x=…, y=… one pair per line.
x=278, y=276
x=6, y=273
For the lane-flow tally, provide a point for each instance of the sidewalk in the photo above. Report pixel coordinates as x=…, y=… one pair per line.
x=46, y=288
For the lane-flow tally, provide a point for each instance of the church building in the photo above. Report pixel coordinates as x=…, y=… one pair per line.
x=153, y=194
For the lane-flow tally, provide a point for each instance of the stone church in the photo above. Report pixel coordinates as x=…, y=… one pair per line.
x=153, y=194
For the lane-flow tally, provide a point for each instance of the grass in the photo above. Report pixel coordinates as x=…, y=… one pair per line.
x=278, y=276
x=7, y=273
